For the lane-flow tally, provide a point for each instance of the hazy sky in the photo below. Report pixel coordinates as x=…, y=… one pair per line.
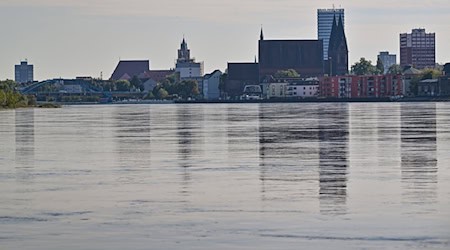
x=68, y=38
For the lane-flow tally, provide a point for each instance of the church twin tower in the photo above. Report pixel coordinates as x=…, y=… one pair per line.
x=336, y=63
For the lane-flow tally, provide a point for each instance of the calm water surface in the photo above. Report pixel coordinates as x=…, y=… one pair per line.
x=255, y=176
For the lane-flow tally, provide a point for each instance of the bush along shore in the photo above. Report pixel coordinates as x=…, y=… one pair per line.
x=10, y=98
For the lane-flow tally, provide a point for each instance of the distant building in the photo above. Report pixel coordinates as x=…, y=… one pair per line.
x=156, y=75
x=211, y=84
x=152, y=77
x=325, y=18
x=371, y=86
x=409, y=73
x=304, y=56
x=304, y=88
x=275, y=90
x=337, y=63
x=444, y=81
x=447, y=69
x=185, y=65
x=387, y=59
x=187, y=68
x=240, y=75
x=292, y=87
x=24, y=72
x=428, y=87
x=418, y=49
x=126, y=70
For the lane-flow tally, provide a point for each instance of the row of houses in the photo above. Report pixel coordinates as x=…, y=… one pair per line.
x=351, y=86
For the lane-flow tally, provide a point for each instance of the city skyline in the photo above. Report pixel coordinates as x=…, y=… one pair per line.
x=71, y=38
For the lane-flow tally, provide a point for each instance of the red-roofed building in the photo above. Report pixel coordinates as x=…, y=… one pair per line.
x=156, y=75
x=128, y=69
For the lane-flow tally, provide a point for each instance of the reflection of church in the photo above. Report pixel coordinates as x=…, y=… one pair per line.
x=333, y=159
x=297, y=153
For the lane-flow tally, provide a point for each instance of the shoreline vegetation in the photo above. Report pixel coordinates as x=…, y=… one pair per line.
x=11, y=98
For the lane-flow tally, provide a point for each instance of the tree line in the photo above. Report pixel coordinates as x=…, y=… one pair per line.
x=11, y=98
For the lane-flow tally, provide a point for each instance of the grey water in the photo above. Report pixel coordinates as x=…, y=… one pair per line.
x=231, y=176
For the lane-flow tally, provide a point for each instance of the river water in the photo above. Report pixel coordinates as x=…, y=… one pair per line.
x=231, y=176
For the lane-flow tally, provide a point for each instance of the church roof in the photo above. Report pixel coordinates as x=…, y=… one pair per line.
x=337, y=37
x=131, y=68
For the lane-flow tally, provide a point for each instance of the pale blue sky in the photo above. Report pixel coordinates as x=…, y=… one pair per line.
x=68, y=38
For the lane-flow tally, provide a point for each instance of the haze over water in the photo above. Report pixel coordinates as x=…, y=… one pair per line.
x=231, y=176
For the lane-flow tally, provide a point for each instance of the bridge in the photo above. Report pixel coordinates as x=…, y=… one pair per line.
x=57, y=89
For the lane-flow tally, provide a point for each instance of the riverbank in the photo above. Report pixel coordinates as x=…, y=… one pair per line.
x=275, y=100
x=320, y=100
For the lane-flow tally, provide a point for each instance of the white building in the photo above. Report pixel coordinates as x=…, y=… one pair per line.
x=303, y=91
x=387, y=59
x=185, y=65
x=211, y=84
x=324, y=25
x=275, y=90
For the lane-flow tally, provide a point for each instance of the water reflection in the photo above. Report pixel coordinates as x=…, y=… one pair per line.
x=418, y=153
x=187, y=122
x=333, y=158
x=288, y=152
x=132, y=134
x=24, y=138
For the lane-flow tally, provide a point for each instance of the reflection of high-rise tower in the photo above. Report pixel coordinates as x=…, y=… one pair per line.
x=333, y=158
x=418, y=153
x=24, y=121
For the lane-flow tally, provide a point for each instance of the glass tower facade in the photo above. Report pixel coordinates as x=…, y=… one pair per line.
x=324, y=25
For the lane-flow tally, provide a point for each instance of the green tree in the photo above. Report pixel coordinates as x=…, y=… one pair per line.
x=8, y=85
x=2, y=98
x=123, y=85
x=136, y=83
x=395, y=69
x=290, y=73
x=10, y=97
x=162, y=94
x=364, y=67
x=430, y=74
x=380, y=66
x=149, y=96
x=188, y=88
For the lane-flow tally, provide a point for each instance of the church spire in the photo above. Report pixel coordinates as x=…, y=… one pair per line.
x=333, y=36
x=184, y=54
x=261, y=36
x=341, y=32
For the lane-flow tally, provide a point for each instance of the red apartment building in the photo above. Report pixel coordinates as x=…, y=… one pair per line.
x=361, y=86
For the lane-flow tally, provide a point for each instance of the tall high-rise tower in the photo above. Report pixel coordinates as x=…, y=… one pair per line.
x=418, y=49
x=325, y=24
x=23, y=72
